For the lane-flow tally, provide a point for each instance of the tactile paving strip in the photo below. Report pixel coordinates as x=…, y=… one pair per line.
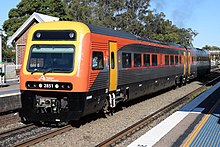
x=209, y=135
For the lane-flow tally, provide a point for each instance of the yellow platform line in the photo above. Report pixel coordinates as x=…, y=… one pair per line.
x=199, y=127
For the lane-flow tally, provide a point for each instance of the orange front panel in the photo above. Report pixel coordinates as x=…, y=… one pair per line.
x=78, y=78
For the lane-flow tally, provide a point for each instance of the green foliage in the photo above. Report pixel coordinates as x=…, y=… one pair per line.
x=17, y=16
x=158, y=28
x=7, y=52
x=211, y=47
x=132, y=16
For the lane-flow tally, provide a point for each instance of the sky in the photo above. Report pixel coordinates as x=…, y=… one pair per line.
x=200, y=15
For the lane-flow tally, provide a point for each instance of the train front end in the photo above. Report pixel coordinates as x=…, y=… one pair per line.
x=53, y=78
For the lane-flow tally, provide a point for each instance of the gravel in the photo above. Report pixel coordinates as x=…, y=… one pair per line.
x=97, y=130
x=19, y=137
x=93, y=131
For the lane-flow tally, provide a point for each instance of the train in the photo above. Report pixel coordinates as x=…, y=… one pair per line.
x=73, y=69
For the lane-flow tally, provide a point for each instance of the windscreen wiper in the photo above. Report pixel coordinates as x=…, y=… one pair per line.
x=35, y=70
x=49, y=70
x=52, y=69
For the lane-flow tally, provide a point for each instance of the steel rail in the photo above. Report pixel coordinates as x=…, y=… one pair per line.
x=44, y=136
x=117, y=138
x=16, y=130
x=127, y=132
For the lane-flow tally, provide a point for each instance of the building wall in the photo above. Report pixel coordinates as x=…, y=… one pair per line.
x=21, y=44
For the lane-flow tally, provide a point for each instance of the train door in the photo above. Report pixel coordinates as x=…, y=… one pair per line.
x=113, y=68
x=189, y=65
x=185, y=63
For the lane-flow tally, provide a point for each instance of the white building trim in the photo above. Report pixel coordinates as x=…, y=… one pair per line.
x=35, y=16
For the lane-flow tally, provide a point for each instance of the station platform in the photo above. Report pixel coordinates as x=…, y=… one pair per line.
x=197, y=124
x=9, y=89
x=9, y=98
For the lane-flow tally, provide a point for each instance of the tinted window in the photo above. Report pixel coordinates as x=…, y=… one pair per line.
x=54, y=35
x=146, y=59
x=97, y=60
x=51, y=58
x=126, y=60
x=166, y=60
x=137, y=60
x=171, y=60
x=154, y=60
x=176, y=59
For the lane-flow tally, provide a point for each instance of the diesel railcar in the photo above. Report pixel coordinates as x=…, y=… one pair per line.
x=72, y=69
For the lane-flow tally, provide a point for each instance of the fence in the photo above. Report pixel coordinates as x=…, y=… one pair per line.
x=11, y=72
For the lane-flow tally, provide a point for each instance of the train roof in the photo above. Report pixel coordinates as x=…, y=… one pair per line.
x=160, y=42
x=111, y=32
x=122, y=34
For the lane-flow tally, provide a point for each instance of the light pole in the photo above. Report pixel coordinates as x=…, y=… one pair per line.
x=1, y=34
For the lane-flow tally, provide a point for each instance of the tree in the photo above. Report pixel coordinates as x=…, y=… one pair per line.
x=7, y=52
x=207, y=47
x=132, y=16
x=17, y=16
x=159, y=28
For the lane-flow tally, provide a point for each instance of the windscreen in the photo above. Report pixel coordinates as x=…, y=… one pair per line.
x=51, y=58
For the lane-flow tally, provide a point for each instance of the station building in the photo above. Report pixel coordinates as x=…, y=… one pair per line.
x=20, y=36
x=215, y=55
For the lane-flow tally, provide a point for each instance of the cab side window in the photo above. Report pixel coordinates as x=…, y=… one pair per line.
x=97, y=61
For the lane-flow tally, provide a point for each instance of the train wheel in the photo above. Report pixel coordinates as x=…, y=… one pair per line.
x=176, y=84
x=106, y=110
x=184, y=80
x=180, y=82
x=24, y=121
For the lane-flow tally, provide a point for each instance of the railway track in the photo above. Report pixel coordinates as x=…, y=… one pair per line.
x=125, y=133
x=119, y=137
x=45, y=136
x=16, y=130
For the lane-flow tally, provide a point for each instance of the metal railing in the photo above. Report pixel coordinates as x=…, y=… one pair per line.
x=11, y=74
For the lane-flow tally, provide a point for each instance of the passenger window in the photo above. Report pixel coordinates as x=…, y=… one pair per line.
x=161, y=59
x=166, y=59
x=97, y=61
x=176, y=60
x=154, y=60
x=137, y=60
x=180, y=59
x=146, y=59
x=126, y=60
x=171, y=60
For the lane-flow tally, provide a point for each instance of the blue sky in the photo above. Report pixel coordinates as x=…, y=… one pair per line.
x=200, y=15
